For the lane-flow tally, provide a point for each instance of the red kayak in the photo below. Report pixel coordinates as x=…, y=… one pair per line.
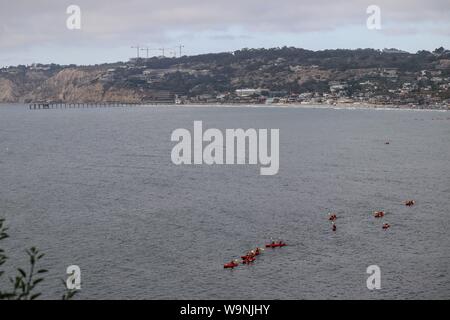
x=230, y=265
x=275, y=245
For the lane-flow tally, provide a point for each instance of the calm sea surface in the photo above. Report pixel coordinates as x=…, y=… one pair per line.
x=97, y=188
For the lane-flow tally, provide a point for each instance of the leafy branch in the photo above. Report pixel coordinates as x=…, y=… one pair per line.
x=25, y=282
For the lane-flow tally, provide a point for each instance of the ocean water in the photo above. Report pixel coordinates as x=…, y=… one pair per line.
x=97, y=188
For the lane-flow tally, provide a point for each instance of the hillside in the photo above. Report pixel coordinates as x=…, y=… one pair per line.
x=363, y=75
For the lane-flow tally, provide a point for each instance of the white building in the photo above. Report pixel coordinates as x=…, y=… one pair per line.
x=249, y=92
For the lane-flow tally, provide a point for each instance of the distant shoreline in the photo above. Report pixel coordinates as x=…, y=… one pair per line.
x=320, y=106
x=341, y=106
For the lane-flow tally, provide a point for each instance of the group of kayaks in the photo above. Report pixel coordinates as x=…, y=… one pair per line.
x=251, y=255
x=377, y=214
x=332, y=217
x=380, y=214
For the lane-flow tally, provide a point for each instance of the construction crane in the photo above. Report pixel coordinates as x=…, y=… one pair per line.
x=180, y=47
x=163, y=50
x=147, y=49
x=137, y=47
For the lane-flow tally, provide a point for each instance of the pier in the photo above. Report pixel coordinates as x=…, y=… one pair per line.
x=66, y=105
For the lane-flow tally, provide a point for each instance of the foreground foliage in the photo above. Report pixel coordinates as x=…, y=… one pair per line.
x=24, y=283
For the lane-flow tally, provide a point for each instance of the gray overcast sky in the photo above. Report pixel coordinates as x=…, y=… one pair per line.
x=35, y=31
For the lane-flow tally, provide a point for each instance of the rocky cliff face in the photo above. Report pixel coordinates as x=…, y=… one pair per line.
x=9, y=92
x=69, y=85
x=66, y=85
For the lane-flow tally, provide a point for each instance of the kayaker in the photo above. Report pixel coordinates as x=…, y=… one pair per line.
x=379, y=214
x=410, y=203
x=247, y=260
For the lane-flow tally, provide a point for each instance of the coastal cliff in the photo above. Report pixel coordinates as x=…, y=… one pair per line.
x=292, y=74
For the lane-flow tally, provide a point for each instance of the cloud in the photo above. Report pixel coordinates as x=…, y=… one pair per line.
x=221, y=37
x=114, y=23
x=35, y=31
